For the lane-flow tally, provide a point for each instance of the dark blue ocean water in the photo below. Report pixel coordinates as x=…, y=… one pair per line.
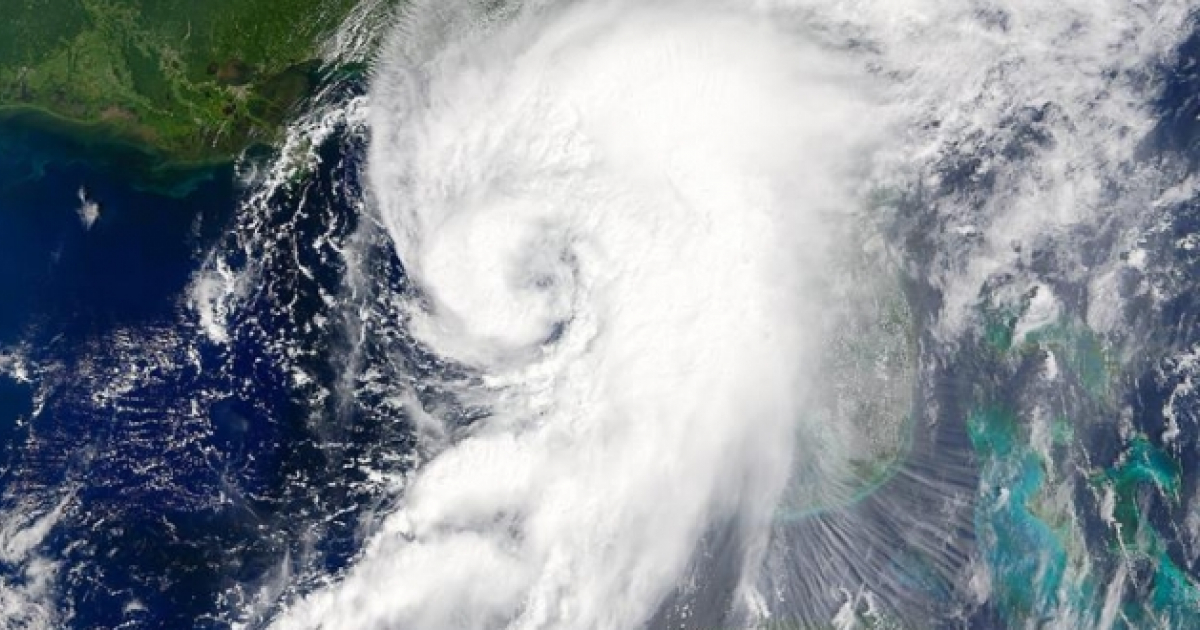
x=65, y=291
x=188, y=472
x=61, y=283
x=63, y=278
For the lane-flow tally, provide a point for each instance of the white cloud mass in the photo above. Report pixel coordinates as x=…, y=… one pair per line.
x=620, y=215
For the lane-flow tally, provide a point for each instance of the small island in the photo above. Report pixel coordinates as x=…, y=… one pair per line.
x=187, y=81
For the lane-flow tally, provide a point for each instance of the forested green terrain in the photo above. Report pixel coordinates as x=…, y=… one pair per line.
x=192, y=80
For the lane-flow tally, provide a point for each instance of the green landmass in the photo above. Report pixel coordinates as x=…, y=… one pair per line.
x=189, y=80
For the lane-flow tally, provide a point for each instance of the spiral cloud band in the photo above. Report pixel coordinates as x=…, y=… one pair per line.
x=626, y=227
x=618, y=216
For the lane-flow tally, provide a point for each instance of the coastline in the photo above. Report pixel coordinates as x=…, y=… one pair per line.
x=119, y=145
x=110, y=148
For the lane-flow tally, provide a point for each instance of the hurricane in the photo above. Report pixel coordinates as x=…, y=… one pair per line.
x=657, y=314
x=618, y=219
x=628, y=222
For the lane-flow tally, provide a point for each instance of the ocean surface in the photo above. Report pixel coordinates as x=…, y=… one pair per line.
x=71, y=283
x=151, y=475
